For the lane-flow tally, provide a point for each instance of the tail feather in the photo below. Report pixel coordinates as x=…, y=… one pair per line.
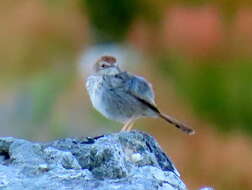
x=167, y=118
x=177, y=124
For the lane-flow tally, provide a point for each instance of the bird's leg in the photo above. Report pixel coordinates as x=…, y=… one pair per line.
x=130, y=125
x=125, y=126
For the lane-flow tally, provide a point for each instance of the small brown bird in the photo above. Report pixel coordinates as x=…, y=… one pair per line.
x=124, y=97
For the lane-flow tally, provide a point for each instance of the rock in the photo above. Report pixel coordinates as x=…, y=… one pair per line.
x=121, y=161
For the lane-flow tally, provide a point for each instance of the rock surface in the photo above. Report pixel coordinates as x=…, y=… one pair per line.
x=121, y=161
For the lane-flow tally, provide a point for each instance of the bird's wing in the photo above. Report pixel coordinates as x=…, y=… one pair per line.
x=136, y=86
x=142, y=90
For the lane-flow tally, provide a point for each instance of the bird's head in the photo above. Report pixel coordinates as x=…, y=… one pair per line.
x=106, y=65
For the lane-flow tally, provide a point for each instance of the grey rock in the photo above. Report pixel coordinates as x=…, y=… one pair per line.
x=120, y=161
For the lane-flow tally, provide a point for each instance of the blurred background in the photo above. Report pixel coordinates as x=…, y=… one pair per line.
x=197, y=54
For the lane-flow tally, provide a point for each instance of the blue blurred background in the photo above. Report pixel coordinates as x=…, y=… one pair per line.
x=197, y=54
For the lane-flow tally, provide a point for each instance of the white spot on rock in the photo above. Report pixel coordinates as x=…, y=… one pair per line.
x=136, y=157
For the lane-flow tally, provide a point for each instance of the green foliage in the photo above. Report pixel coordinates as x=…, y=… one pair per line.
x=45, y=90
x=219, y=90
x=111, y=18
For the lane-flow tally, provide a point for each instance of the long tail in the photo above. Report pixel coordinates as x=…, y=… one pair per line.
x=177, y=124
x=167, y=118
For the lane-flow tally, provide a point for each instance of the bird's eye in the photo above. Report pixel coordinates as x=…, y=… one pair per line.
x=103, y=65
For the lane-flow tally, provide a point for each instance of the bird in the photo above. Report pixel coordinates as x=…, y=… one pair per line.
x=124, y=97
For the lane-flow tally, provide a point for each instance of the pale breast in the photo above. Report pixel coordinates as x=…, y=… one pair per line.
x=104, y=100
x=94, y=88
